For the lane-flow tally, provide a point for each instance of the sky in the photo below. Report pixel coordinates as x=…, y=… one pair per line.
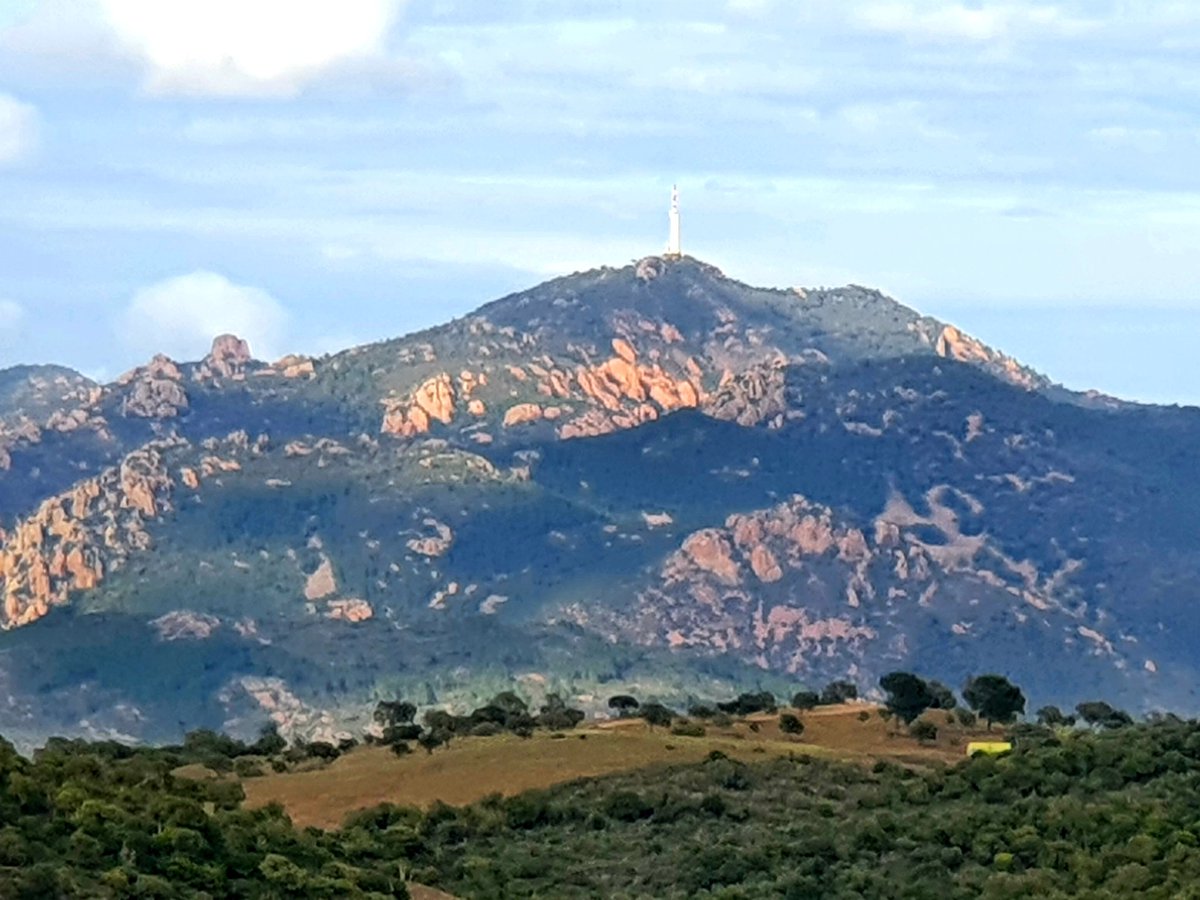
x=313, y=175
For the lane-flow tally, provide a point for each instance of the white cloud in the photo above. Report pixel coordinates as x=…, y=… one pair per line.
x=180, y=316
x=18, y=129
x=247, y=47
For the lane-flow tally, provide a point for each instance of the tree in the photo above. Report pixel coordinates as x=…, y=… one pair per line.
x=393, y=712
x=839, y=692
x=943, y=697
x=269, y=741
x=790, y=724
x=1100, y=714
x=805, y=699
x=395, y=733
x=656, y=714
x=510, y=703
x=907, y=695
x=433, y=739
x=623, y=704
x=1053, y=717
x=746, y=704
x=994, y=697
x=323, y=750
x=557, y=715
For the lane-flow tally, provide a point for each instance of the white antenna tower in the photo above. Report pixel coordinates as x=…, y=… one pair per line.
x=673, y=246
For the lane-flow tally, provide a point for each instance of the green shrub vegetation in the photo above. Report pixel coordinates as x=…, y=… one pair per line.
x=103, y=820
x=1106, y=808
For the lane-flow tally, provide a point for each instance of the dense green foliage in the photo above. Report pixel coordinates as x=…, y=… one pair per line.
x=1101, y=814
x=107, y=821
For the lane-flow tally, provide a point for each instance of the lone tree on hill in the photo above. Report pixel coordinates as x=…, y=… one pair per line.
x=656, y=714
x=839, y=692
x=907, y=695
x=624, y=704
x=994, y=697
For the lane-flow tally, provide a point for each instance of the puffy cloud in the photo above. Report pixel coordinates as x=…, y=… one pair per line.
x=180, y=316
x=18, y=129
x=247, y=47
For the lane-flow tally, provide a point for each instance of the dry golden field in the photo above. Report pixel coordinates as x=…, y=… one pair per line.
x=472, y=768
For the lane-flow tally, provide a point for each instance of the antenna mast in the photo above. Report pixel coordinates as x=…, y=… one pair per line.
x=673, y=245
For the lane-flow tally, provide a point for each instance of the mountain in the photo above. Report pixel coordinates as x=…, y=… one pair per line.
x=652, y=477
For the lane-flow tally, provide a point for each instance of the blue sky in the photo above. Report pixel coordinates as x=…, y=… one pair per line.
x=316, y=174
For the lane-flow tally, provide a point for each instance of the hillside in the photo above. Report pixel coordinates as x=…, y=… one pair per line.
x=652, y=477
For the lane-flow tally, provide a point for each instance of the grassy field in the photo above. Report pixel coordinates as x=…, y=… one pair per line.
x=472, y=768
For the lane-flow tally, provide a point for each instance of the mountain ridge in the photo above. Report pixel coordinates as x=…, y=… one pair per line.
x=649, y=473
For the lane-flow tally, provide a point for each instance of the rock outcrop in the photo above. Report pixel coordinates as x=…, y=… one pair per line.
x=154, y=391
x=432, y=401
x=753, y=396
x=793, y=588
x=229, y=358
x=433, y=544
x=72, y=540
x=955, y=344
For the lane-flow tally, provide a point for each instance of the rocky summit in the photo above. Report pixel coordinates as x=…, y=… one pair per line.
x=652, y=477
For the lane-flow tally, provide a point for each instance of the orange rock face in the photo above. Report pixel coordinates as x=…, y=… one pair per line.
x=521, y=414
x=72, y=540
x=631, y=392
x=764, y=565
x=228, y=358
x=349, y=610
x=433, y=400
x=954, y=344
x=436, y=544
x=710, y=551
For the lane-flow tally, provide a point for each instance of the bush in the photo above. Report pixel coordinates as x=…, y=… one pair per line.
x=839, y=692
x=790, y=724
x=688, y=729
x=247, y=768
x=323, y=750
x=924, y=730
x=400, y=748
x=627, y=806
x=966, y=718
